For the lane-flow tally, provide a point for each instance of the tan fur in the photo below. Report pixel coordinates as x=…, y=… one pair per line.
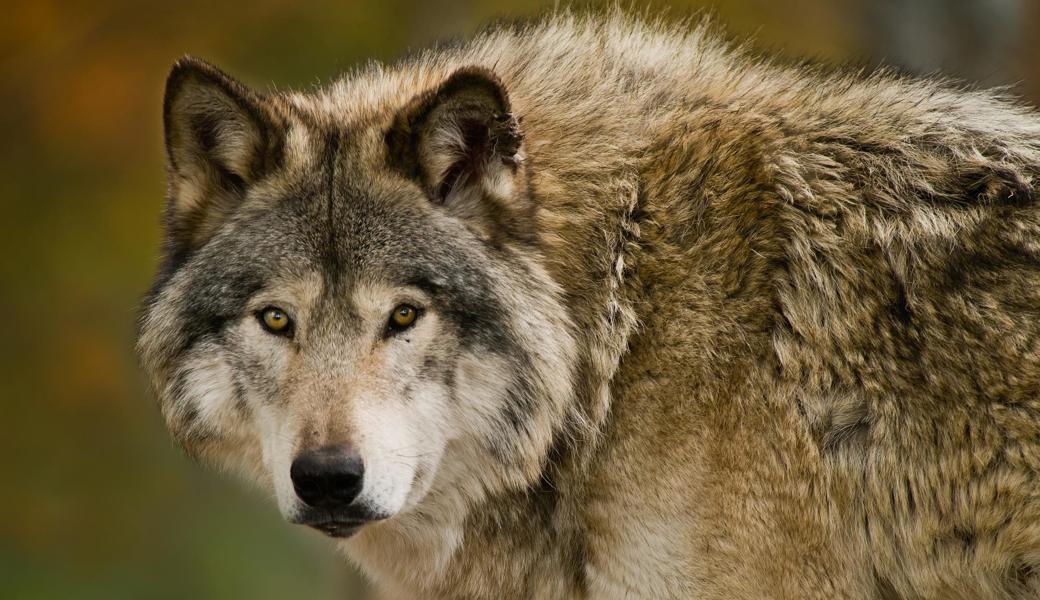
x=805, y=312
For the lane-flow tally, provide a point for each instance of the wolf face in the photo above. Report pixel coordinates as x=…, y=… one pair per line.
x=352, y=310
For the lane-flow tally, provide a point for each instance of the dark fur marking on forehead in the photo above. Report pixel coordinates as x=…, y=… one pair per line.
x=329, y=159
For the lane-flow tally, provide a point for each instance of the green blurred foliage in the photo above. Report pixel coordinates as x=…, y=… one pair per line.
x=96, y=501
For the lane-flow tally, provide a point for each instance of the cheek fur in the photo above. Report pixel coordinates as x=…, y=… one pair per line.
x=480, y=388
x=204, y=401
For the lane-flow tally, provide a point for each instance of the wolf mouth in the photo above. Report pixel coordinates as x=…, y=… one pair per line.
x=337, y=529
x=337, y=524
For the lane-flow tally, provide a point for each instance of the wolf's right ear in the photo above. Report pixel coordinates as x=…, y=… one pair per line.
x=221, y=137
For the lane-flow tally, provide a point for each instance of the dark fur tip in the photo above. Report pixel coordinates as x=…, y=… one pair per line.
x=473, y=81
x=189, y=71
x=998, y=184
x=505, y=133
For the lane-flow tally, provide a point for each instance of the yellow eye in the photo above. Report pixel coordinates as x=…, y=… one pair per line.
x=275, y=320
x=403, y=316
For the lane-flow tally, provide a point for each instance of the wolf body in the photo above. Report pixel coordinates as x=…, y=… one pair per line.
x=691, y=323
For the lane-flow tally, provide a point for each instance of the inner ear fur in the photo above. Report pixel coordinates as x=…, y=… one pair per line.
x=221, y=137
x=458, y=140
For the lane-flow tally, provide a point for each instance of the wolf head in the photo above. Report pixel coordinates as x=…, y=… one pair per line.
x=351, y=307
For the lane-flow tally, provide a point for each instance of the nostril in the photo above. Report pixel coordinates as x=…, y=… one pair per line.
x=344, y=487
x=307, y=487
x=328, y=477
x=305, y=483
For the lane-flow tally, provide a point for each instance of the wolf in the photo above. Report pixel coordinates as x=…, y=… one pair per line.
x=606, y=307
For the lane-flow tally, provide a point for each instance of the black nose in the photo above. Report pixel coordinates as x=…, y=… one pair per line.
x=328, y=477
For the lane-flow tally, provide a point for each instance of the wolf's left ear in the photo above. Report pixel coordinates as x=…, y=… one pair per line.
x=462, y=144
x=221, y=137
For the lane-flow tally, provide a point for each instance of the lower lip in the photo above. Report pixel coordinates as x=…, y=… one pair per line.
x=337, y=530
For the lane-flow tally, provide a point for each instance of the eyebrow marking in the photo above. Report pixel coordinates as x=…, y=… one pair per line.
x=427, y=285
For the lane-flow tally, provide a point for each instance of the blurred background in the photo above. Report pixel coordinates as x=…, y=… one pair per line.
x=95, y=502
